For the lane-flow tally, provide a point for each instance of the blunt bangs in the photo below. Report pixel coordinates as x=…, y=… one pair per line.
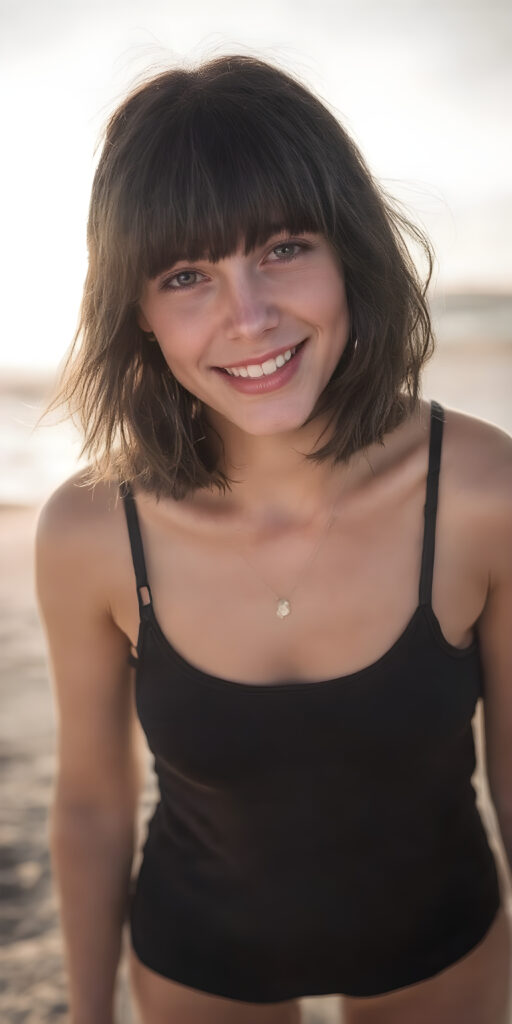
x=218, y=178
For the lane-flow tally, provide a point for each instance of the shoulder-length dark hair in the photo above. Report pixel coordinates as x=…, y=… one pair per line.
x=193, y=162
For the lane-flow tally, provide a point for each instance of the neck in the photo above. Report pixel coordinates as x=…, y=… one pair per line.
x=274, y=485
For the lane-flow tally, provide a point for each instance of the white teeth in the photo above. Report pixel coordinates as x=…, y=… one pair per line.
x=269, y=366
x=264, y=369
x=255, y=371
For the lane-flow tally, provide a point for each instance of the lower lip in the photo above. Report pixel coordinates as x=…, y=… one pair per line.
x=261, y=385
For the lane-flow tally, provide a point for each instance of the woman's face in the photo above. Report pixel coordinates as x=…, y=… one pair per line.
x=245, y=313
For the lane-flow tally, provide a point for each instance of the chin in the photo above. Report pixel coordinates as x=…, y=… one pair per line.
x=284, y=417
x=271, y=426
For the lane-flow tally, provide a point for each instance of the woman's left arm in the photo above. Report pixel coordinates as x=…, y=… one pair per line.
x=495, y=638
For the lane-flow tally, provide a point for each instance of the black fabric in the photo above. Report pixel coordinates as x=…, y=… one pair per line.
x=313, y=838
x=432, y=490
x=139, y=563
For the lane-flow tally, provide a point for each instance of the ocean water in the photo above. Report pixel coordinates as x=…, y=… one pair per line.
x=33, y=462
x=472, y=370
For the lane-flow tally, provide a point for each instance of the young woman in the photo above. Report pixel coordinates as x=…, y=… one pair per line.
x=308, y=566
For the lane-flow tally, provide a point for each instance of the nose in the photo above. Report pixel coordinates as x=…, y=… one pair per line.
x=250, y=309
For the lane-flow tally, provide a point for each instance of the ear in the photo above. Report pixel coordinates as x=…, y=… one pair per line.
x=142, y=322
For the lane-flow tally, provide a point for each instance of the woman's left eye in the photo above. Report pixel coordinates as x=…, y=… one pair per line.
x=290, y=255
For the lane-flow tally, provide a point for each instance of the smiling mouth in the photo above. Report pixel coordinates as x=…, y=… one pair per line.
x=265, y=369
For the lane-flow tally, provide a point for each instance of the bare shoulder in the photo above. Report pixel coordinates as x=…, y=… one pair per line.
x=75, y=530
x=77, y=505
x=477, y=458
x=78, y=513
x=476, y=492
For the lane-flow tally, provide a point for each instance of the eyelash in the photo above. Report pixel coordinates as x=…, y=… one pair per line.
x=166, y=284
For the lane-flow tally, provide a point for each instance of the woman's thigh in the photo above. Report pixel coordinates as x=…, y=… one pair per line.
x=475, y=990
x=160, y=1001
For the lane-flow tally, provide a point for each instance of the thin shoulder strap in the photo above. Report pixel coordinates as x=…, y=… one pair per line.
x=139, y=563
x=429, y=536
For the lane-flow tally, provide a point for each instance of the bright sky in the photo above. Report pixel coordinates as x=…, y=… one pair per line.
x=423, y=85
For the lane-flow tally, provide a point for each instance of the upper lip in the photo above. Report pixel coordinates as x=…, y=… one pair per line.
x=263, y=358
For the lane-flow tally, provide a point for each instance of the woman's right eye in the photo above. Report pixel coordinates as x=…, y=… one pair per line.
x=176, y=282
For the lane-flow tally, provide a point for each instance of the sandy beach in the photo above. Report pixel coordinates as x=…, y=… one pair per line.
x=32, y=979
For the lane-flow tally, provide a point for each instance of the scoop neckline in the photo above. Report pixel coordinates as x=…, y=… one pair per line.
x=422, y=611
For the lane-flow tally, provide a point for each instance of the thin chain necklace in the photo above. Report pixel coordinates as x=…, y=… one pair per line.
x=283, y=604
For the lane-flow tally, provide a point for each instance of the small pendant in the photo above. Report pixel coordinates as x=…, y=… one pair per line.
x=283, y=608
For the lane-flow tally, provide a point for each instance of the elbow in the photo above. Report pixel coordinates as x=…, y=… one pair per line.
x=92, y=823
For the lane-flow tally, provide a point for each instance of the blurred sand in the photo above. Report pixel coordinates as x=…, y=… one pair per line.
x=32, y=982
x=31, y=962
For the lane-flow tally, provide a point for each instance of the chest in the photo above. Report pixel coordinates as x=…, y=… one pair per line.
x=352, y=592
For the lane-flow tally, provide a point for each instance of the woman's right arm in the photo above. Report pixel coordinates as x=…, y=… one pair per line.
x=99, y=773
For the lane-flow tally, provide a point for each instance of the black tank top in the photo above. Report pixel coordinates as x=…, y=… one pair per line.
x=313, y=838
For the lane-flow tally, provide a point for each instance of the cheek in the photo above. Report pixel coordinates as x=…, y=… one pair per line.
x=326, y=298
x=182, y=343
